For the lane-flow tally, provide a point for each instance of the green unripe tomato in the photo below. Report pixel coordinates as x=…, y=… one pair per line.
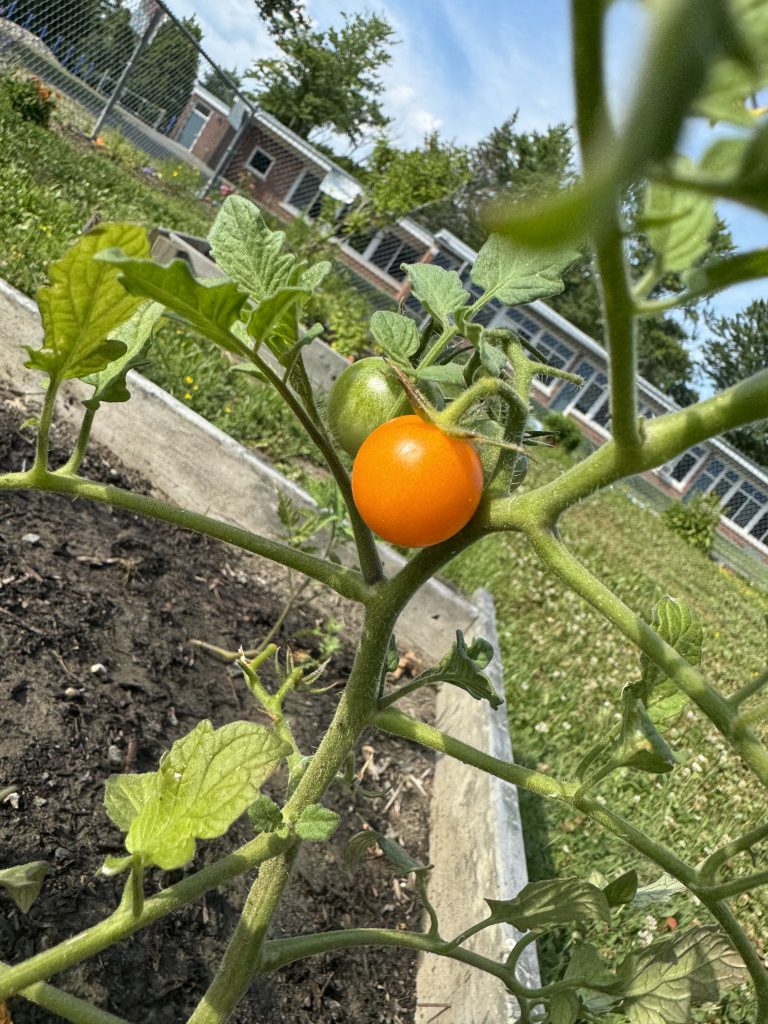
x=364, y=396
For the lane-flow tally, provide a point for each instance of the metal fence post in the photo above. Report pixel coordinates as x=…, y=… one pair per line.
x=142, y=44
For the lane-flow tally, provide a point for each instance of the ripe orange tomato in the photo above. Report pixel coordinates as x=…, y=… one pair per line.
x=413, y=484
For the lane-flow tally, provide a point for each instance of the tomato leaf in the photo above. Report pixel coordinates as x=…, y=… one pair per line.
x=206, y=781
x=211, y=307
x=660, y=983
x=678, y=225
x=439, y=291
x=317, y=823
x=23, y=882
x=248, y=251
x=587, y=964
x=463, y=667
x=268, y=322
x=109, y=385
x=442, y=373
x=662, y=890
x=264, y=814
x=678, y=624
x=552, y=903
x=564, y=1007
x=84, y=303
x=513, y=275
x=719, y=274
x=396, y=335
x=622, y=889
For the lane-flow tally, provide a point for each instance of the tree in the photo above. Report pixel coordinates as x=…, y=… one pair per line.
x=505, y=163
x=167, y=70
x=108, y=46
x=327, y=80
x=216, y=82
x=737, y=348
x=399, y=182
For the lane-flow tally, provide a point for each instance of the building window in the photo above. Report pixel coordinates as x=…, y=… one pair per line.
x=390, y=252
x=259, y=162
x=680, y=469
x=306, y=195
x=197, y=119
x=565, y=396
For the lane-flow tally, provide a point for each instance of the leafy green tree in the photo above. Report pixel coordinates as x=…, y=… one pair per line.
x=216, y=82
x=737, y=348
x=326, y=80
x=286, y=11
x=400, y=182
x=166, y=72
x=507, y=162
x=109, y=45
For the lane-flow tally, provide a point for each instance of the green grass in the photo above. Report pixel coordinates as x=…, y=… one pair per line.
x=54, y=181
x=564, y=672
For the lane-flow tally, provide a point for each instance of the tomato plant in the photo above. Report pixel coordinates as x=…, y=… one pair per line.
x=363, y=397
x=415, y=485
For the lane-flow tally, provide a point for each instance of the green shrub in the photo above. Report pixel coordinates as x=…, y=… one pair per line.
x=569, y=435
x=695, y=521
x=29, y=98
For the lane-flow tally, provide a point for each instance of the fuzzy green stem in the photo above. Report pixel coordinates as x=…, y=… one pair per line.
x=243, y=954
x=123, y=923
x=749, y=689
x=721, y=856
x=437, y=346
x=685, y=676
x=344, y=581
x=40, y=466
x=370, y=563
x=65, y=1005
x=398, y=724
x=736, y=886
x=75, y=461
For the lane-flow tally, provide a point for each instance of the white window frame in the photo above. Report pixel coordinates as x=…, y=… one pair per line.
x=252, y=170
x=682, y=485
x=196, y=110
x=287, y=203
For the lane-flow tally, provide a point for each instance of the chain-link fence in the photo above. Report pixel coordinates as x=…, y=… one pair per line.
x=129, y=65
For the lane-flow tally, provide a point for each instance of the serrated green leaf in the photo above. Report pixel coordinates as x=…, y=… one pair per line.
x=714, y=965
x=662, y=890
x=440, y=291
x=314, y=276
x=552, y=903
x=719, y=274
x=660, y=983
x=493, y=358
x=358, y=845
x=212, y=307
x=463, y=667
x=679, y=625
x=622, y=889
x=396, y=335
x=206, y=781
x=587, y=965
x=316, y=823
x=639, y=744
x=564, y=1008
x=399, y=858
x=441, y=373
x=116, y=865
x=84, y=303
x=126, y=795
x=23, y=882
x=264, y=814
x=514, y=275
x=247, y=250
x=658, y=991
x=678, y=225
x=732, y=82
x=268, y=322
x=110, y=385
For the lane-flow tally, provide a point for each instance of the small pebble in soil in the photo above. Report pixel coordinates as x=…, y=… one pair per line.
x=98, y=669
x=114, y=754
x=31, y=538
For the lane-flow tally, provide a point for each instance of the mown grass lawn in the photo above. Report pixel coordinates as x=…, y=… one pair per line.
x=564, y=671
x=54, y=181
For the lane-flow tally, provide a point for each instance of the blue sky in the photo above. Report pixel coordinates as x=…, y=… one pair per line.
x=463, y=67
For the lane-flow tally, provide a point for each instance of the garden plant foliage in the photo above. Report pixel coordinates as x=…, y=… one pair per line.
x=104, y=302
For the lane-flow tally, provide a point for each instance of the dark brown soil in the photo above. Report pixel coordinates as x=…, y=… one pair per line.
x=100, y=587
